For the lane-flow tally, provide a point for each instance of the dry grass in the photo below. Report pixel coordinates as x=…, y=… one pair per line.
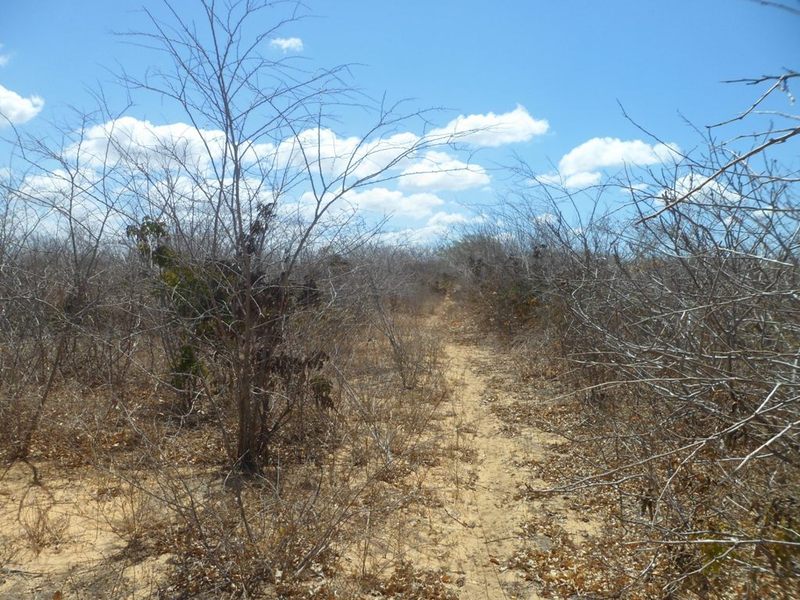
x=41, y=528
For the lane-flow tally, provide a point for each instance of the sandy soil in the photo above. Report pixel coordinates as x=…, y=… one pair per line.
x=70, y=533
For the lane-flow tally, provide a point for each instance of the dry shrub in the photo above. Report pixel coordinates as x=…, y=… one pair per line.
x=409, y=583
x=495, y=281
x=282, y=530
x=688, y=378
x=8, y=551
x=677, y=327
x=42, y=528
x=415, y=351
x=347, y=439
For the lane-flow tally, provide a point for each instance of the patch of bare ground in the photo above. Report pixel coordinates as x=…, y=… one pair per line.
x=74, y=535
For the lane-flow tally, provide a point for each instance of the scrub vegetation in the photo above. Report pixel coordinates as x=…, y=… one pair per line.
x=218, y=381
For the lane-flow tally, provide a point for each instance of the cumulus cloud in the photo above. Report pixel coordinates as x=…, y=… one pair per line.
x=436, y=228
x=385, y=201
x=173, y=145
x=329, y=154
x=600, y=153
x=292, y=44
x=583, y=179
x=141, y=140
x=574, y=181
x=373, y=202
x=173, y=152
x=545, y=219
x=438, y=171
x=59, y=201
x=492, y=129
x=711, y=192
x=333, y=155
x=582, y=166
x=448, y=219
x=18, y=109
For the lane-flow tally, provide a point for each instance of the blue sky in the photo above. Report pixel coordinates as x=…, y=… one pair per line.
x=568, y=63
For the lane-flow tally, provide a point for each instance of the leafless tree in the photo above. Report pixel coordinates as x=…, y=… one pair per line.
x=231, y=206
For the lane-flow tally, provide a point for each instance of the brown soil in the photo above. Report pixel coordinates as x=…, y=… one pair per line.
x=69, y=533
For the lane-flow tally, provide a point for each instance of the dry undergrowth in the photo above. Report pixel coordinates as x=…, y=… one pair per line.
x=390, y=496
x=129, y=488
x=620, y=561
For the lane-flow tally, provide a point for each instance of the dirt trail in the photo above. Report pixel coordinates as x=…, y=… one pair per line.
x=474, y=527
x=488, y=503
x=483, y=518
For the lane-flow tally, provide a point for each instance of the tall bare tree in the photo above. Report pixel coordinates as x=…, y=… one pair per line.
x=253, y=183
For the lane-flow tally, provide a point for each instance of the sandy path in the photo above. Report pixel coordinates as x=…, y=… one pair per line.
x=476, y=526
x=488, y=504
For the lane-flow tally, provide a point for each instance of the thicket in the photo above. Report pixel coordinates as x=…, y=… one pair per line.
x=131, y=377
x=199, y=316
x=676, y=320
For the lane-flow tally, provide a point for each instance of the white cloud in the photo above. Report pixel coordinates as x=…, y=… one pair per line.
x=328, y=154
x=439, y=171
x=545, y=218
x=581, y=180
x=373, y=202
x=334, y=156
x=581, y=167
x=385, y=153
x=175, y=151
x=137, y=139
x=494, y=130
x=437, y=228
x=18, y=109
x=395, y=202
x=292, y=44
x=179, y=145
x=59, y=201
x=600, y=153
x=711, y=192
x=763, y=214
x=574, y=181
x=448, y=219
